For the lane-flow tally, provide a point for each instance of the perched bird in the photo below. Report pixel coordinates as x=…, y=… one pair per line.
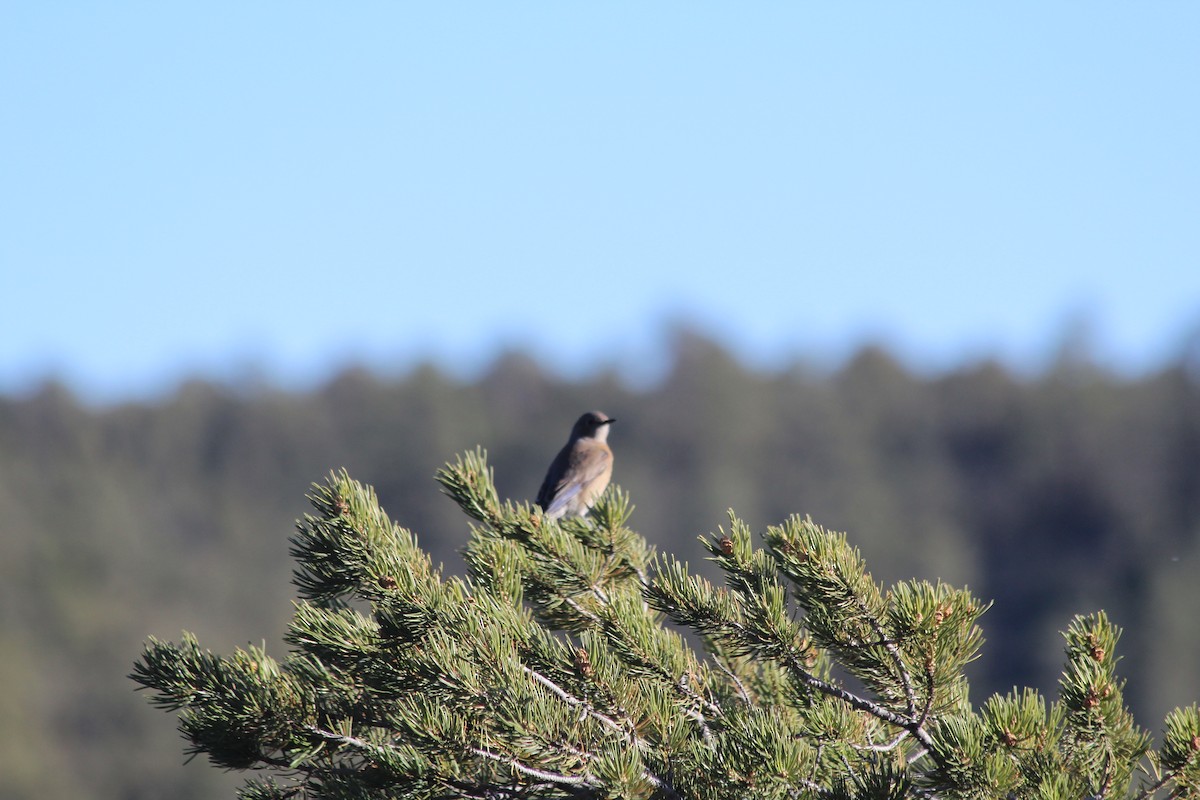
x=580, y=471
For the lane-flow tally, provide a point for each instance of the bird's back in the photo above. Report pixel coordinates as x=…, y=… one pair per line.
x=558, y=469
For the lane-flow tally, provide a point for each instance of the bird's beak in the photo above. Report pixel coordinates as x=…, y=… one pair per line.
x=608, y=422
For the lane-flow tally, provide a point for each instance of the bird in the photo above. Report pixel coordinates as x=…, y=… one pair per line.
x=581, y=470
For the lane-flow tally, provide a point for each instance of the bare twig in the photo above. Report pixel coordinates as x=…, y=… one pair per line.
x=589, y=709
x=1155, y=787
x=883, y=748
x=540, y=774
x=742, y=692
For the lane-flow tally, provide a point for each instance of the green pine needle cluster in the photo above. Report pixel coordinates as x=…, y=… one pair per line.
x=572, y=662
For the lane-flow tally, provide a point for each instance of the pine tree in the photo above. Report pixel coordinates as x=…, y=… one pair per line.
x=551, y=671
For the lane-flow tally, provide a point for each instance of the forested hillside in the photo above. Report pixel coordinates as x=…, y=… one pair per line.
x=1053, y=495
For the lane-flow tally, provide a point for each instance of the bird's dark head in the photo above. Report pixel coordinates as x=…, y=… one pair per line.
x=593, y=424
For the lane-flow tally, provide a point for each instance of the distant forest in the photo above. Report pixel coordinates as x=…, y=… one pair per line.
x=1055, y=494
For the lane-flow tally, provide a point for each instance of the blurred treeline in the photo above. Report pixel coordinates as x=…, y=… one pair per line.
x=1052, y=495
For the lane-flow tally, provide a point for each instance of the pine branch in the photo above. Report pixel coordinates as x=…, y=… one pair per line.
x=549, y=673
x=588, y=709
x=691, y=602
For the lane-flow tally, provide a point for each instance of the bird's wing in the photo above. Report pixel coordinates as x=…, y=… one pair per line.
x=585, y=464
x=562, y=499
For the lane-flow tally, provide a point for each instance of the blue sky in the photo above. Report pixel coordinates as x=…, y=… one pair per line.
x=209, y=189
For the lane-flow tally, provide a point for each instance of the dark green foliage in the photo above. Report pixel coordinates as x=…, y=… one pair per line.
x=549, y=672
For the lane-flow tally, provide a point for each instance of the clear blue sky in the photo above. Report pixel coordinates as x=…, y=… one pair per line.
x=195, y=188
